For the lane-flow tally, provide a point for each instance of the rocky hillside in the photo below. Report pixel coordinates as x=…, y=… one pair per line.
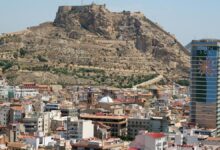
x=91, y=45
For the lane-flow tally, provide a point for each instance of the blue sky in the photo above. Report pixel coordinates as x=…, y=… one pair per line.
x=187, y=19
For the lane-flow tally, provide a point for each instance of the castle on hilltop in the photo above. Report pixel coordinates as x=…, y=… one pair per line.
x=82, y=7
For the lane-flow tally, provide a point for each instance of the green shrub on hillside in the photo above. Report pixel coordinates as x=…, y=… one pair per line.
x=5, y=64
x=183, y=82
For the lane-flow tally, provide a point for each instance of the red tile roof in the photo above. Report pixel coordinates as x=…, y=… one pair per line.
x=101, y=125
x=26, y=136
x=213, y=139
x=128, y=100
x=155, y=135
x=133, y=148
x=60, y=129
x=18, y=108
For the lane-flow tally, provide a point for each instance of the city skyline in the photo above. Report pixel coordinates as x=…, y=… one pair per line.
x=107, y=75
x=183, y=19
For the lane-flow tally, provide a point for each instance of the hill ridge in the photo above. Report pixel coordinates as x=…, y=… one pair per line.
x=96, y=37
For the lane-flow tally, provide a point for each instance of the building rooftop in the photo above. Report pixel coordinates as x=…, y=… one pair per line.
x=206, y=42
x=26, y=136
x=213, y=139
x=101, y=125
x=98, y=143
x=133, y=148
x=18, y=108
x=106, y=99
x=61, y=129
x=102, y=116
x=17, y=145
x=155, y=135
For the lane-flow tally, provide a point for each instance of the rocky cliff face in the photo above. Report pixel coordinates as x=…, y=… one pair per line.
x=91, y=45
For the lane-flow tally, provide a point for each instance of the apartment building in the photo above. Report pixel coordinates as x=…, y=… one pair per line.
x=118, y=124
x=152, y=124
x=37, y=122
x=79, y=129
x=4, y=115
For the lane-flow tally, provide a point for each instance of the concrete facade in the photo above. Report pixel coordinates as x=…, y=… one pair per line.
x=79, y=129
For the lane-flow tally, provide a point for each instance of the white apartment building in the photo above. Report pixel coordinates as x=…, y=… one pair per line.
x=3, y=82
x=21, y=92
x=79, y=129
x=4, y=88
x=3, y=92
x=150, y=141
x=38, y=141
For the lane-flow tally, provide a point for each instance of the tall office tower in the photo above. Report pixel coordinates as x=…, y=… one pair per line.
x=205, y=83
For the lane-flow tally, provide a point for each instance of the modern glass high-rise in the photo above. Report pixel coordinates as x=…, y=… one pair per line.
x=205, y=83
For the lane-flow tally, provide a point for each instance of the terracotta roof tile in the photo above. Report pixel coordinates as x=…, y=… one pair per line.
x=19, y=108
x=155, y=135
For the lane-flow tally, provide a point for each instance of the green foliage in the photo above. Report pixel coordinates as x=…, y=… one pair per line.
x=10, y=95
x=42, y=58
x=183, y=82
x=5, y=64
x=10, y=38
x=15, y=55
x=126, y=138
x=61, y=71
x=41, y=68
x=99, y=77
x=89, y=70
x=162, y=82
x=129, y=81
x=103, y=78
x=1, y=41
x=174, y=97
x=22, y=52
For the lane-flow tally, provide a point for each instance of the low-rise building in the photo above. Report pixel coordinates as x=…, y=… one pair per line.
x=4, y=88
x=16, y=113
x=181, y=139
x=159, y=124
x=69, y=112
x=38, y=106
x=4, y=92
x=17, y=146
x=57, y=122
x=63, y=144
x=97, y=144
x=79, y=129
x=37, y=122
x=26, y=90
x=37, y=141
x=102, y=131
x=52, y=106
x=211, y=143
x=152, y=124
x=118, y=124
x=150, y=141
x=14, y=130
x=4, y=115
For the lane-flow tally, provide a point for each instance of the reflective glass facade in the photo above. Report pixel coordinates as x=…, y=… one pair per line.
x=204, y=73
x=204, y=82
